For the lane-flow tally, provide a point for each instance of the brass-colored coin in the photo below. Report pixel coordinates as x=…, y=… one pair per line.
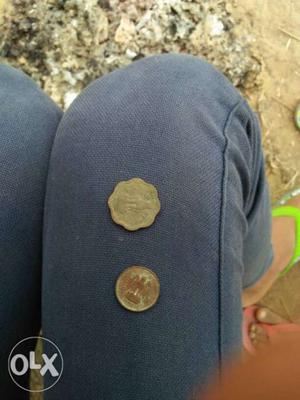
x=134, y=204
x=137, y=288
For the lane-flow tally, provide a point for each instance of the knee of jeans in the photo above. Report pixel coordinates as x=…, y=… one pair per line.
x=10, y=76
x=20, y=91
x=160, y=119
x=164, y=102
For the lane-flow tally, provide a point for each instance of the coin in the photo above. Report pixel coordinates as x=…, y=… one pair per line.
x=137, y=288
x=134, y=204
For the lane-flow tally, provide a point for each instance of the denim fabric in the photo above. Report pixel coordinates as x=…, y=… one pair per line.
x=28, y=121
x=175, y=122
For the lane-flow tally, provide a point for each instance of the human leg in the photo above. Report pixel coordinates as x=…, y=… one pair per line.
x=177, y=123
x=28, y=121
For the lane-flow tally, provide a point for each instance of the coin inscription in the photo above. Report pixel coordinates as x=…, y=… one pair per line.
x=137, y=288
x=134, y=204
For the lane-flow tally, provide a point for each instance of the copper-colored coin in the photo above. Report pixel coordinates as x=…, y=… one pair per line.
x=134, y=204
x=137, y=288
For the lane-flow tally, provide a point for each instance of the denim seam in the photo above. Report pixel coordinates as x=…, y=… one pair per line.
x=221, y=231
x=256, y=143
x=47, y=207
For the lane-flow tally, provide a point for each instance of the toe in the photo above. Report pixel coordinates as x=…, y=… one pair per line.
x=258, y=335
x=269, y=317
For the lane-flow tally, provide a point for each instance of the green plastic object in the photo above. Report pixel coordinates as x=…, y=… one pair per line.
x=297, y=116
x=294, y=212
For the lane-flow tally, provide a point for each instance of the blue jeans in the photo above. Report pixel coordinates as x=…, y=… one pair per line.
x=175, y=122
x=28, y=121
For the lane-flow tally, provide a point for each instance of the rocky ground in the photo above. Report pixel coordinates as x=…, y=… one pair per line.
x=65, y=44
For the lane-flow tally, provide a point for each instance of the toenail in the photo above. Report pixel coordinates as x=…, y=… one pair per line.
x=261, y=314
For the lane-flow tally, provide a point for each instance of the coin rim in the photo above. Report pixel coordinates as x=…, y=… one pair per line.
x=122, y=223
x=123, y=273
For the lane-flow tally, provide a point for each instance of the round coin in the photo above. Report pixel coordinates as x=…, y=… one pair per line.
x=137, y=288
x=134, y=204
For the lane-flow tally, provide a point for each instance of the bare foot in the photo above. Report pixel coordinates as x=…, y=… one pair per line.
x=269, y=328
x=258, y=334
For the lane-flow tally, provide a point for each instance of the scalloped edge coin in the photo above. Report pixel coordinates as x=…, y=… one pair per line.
x=145, y=188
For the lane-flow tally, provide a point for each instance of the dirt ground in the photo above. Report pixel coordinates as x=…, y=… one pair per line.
x=275, y=25
x=275, y=31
